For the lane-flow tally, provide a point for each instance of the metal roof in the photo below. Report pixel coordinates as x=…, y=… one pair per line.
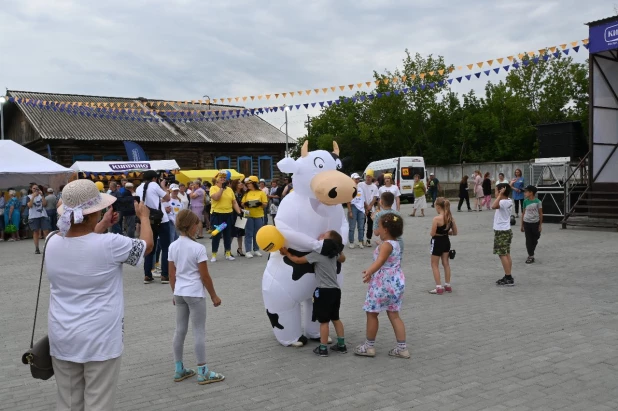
x=58, y=125
x=605, y=20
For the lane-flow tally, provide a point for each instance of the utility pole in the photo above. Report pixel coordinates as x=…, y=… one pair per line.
x=308, y=125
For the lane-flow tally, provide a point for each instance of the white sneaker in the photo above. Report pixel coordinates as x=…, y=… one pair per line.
x=257, y=253
x=248, y=254
x=296, y=344
x=368, y=243
x=213, y=259
x=360, y=244
x=229, y=257
x=351, y=245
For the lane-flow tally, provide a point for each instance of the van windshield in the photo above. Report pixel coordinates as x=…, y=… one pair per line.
x=408, y=173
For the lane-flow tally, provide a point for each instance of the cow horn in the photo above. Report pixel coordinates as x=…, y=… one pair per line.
x=305, y=149
x=335, y=148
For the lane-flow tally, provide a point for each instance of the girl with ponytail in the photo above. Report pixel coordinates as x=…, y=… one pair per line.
x=442, y=226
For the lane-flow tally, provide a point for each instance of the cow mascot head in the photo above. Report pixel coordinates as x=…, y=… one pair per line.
x=311, y=209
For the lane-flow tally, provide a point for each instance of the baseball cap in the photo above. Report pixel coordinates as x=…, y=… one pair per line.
x=355, y=176
x=262, y=180
x=174, y=187
x=50, y=190
x=369, y=172
x=531, y=188
x=129, y=185
x=430, y=174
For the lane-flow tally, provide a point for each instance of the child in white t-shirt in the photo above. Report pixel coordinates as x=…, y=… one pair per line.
x=189, y=276
x=503, y=235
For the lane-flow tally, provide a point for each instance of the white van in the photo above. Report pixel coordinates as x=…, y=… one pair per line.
x=403, y=170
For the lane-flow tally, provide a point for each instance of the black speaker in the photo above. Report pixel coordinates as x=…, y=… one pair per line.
x=562, y=140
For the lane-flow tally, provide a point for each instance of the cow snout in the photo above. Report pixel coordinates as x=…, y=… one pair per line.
x=333, y=187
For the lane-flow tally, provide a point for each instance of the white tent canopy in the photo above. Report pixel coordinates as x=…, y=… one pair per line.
x=20, y=166
x=123, y=166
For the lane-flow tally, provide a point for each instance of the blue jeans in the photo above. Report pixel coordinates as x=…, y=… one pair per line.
x=173, y=233
x=357, y=222
x=161, y=237
x=217, y=219
x=53, y=218
x=434, y=195
x=251, y=229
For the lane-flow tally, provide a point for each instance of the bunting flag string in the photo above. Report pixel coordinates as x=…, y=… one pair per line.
x=187, y=116
x=156, y=105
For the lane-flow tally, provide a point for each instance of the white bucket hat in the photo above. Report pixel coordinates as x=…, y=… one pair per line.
x=80, y=198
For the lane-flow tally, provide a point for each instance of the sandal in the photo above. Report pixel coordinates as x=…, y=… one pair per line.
x=396, y=352
x=186, y=373
x=530, y=260
x=365, y=351
x=209, y=377
x=239, y=252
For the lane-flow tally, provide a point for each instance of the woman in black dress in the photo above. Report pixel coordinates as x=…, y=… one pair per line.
x=463, y=193
x=239, y=191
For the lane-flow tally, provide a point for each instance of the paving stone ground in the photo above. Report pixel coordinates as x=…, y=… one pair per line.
x=549, y=343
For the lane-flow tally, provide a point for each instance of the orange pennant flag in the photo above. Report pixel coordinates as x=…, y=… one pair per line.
x=385, y=81
x=422, y=75
x=542, y=52
x=316, y=90
x=564, y=46
x=79, y=104
x=192, y=101
x=341, y=88
x=470, y=66
x=377, y=82
x=259, y=97
x=431, y=73
x=368, y=83
x=413, y=77
x=215, y=100
x=404, y=78
x=252, y=98
x=276, y=95
x=350, y=86
x=229, y=99
x=395, y=79
x=201, y=101
x=299, y=92
x=490, y=62
x=244, y=98
x=325, y=90
x=574, y=43
x=531, y=54
x=309, y=92
x=440, y=72
x=359, y=85
x=510, y=58
x=237, y=98
x=451, y=69
x=286, y=94
x=521, y=56
x=585, y=41
x=480, y=64
x=333, y=88
x=552, y=49
x=500, y=60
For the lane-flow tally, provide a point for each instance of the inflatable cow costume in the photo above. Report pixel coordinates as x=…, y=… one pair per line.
x=313, y=207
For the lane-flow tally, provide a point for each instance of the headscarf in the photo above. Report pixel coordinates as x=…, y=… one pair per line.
x=64, y=222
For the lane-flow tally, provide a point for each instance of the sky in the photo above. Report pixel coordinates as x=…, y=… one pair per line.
x=185, y=49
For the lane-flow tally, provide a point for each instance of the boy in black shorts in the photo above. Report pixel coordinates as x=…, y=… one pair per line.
x=327, y=297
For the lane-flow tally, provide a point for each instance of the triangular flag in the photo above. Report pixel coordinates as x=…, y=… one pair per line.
x=306, y=105
x=576, y=49
x=565, y=51
x=259, y=98
x=244, y=98
x=317, y=90
x=535, y=60
x=530, y=53
x=267, y=96
x=459, y=67
x=497, y=70
x=229, y=99
x=440, y=72
x=276, y=95
x=385, y=81
x=542, y=52
x=395, y=79
x=422, y=75
x=478, y=75
x=329, y=102
x=490, y=62
x=333, y=88
x=586, y=46
x=404, y=78
x=423, y=85
x=450, y=81
x=359, y=85
x=510, y=58
x=552, y=49
x=521, y=55
x=308, y=92
x=368, y=83
x=431, y=73
x=298, y=107
x=432, y=84
x=350, y=86
x=451, y=69
x=387, y=93
x=516, y=65
x=362, y=98
x=341, y=88
x=377, y=82
x=563, y=46
x=557, y=54
x=546, y=57
x=480, y=64
x=286, y=94
x=487, y=72
x=470, y=66
x=252, y=98
x=585, y=41
x=215, y=100
x=312, y=104
x=321, y=103
x=299, y=92
x=413, y=77
x=458, y=79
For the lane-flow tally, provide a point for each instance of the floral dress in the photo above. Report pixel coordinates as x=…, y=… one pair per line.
x=387, y=285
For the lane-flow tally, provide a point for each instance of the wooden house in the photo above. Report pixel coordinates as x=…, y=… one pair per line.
x=69, y=128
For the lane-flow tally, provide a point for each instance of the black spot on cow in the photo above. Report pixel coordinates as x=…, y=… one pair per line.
x=303, y=339
x=274, y=320
x=298, y=270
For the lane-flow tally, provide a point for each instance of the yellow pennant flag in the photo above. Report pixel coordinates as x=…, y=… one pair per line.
x=395, y=79
x=542, y=52
x=431, y=73
x=413, y=77
x=574, y=43
x=440, y=72
x=552, y=49
x=201, y=101
x=564, y=46
x=490, y=62
x=299, y=92
x=368, y=83
x=341, y=88
x=215, y=100
x=359, y=85
x=229, y=99
x=451, y=69
x=422, y=75
x=510, y=58
x=325, y=90
x=480, y=64
x=385, y=81
x=309, y=92
x=252, y=98
x=260, y=97
x=316, y=90
x=521, y=56
x=276, y=95
x=470, y=66
x=459, y=67
x=404, y=78
x=236, y=98
x=531, y=54
x=333, y=88
x=244, y=98
x=291, y=94
x=500, y=60
x=585, y=41
x=350, y=86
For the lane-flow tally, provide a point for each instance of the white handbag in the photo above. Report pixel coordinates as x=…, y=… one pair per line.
x=240, y=223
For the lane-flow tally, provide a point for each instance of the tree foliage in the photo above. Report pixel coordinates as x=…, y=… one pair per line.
x=447, y=128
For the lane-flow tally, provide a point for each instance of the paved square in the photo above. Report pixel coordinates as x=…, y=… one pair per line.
x=548, y=343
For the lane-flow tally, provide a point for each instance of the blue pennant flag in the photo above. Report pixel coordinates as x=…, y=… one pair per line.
x=370, y=96
x=478, y=75
x=413, y=89
x=468, y=76
x=506, y=68
x=306, y=105
x=405, y=90
x=546, y=57
x=423, y=85
x=459, y=79
x=487, y=72
x=441, y=83
x=516, y=65
x=432, y=84
x=526, y=62
x=379, y=95
x=535, y=60
x=450, y=81
x=298, y=107
x=321, y=103
x=497, y=70
x=566, y=51
x=275, y=109
x=362, y=98
x=354, y=99
x=557, y=54
x=330, y=102
x=586, y=46
x=387, y=93
x=346, y=100
x=396, y=92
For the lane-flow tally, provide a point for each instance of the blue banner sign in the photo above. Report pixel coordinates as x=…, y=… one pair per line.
x=603, y=37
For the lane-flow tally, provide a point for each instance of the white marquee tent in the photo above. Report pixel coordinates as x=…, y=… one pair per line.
x=20, y=166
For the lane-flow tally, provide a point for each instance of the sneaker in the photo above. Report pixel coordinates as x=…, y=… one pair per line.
x=37, y=251
x=398, y=352
x=156, y=272
x=448, y=288
x=148, y=280
x=322, y=352
x=360, y=245
x=249, y=254
x=229, y=257
x=351, y=245
x=214, y=258
x=257, y=253
x=165, y=280
x=437, y=290
x=368, y=243
x=507, y=280
x=365, y=351
x=336, y=348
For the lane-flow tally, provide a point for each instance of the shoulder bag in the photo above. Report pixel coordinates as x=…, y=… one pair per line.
x=38, y=356
x=156, y=215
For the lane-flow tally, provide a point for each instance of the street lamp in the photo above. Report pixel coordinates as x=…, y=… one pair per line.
x=286, y=109
x=207, y=100
x=2, y=101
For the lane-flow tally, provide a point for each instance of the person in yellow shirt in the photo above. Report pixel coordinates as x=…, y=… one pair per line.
x=255, y=201
x=223, y=205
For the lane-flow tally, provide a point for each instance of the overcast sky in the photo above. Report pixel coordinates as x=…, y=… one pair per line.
x=185, y=49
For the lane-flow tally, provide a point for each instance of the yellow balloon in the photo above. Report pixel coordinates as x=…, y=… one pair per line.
x=269, y=238
x=99, y=185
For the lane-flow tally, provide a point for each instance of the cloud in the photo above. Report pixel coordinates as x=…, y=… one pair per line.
x=188, y=48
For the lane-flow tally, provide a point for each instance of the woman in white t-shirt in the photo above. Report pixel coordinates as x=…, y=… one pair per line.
x=86, y=304
x=388, y=186
x=188, y=278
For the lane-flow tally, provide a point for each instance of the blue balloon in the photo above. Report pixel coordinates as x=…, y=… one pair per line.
x=228, y=175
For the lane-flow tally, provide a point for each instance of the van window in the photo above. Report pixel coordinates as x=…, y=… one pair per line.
x=379, y=173
x=408, y=173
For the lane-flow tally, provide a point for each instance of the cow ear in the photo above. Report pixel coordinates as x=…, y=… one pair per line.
x=287, y=165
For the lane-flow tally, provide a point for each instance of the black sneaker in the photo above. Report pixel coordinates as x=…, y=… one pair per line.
x=37, y=251
x=336, y=348
x=506, y=280
x=322, y=352
x=148, y=280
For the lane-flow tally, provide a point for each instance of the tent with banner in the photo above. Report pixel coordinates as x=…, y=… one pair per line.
x=115, y=170
x=20, y=166
x=186, y=176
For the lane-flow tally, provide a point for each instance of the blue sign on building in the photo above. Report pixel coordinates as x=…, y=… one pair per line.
x=603, y=36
